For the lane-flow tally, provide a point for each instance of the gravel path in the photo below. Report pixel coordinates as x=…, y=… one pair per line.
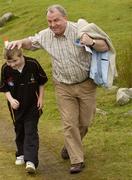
x=50, y=167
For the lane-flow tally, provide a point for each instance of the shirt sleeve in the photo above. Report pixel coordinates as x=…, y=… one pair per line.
x=35, y=41
x=42, y=77
x=3, y=82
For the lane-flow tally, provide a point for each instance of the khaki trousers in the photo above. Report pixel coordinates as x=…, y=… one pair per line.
x=77, y=104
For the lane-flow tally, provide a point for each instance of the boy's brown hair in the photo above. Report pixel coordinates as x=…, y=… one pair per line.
x=10, y=53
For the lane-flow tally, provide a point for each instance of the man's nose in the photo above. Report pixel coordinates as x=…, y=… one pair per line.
x=52, y=24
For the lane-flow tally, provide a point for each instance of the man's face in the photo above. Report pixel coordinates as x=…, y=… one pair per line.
x=15, y=63
x=57, y=22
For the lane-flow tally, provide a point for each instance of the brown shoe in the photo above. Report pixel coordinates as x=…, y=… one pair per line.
x=76, y=168
x=64, y=153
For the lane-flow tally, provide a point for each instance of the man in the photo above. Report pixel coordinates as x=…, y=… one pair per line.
x=75, y=91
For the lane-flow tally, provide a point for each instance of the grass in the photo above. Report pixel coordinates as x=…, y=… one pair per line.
x=108, y=144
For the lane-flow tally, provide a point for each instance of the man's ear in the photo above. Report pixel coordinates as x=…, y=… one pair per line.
x=66, y=18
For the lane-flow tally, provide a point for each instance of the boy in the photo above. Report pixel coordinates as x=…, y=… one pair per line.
x=22, y=81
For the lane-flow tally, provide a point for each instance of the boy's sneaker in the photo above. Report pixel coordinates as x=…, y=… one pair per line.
x=30, y=167
x=20, y=160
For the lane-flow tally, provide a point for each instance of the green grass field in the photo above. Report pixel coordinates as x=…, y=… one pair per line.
x=108, y=145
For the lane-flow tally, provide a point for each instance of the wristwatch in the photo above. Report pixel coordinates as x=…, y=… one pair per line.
x=93, y=43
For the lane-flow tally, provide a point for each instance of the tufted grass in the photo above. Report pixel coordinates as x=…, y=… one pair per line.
x=108, y=145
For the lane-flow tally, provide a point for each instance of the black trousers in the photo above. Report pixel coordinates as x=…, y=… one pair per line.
x=27, y=139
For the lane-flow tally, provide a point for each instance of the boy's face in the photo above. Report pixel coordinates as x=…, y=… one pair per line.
x=16, y=62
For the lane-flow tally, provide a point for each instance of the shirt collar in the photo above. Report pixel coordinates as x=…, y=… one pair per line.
x=66, y=30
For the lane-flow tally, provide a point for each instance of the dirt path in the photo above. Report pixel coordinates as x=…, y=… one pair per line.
x=50, y=168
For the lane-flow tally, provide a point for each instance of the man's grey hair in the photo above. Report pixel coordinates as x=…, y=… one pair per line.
x=60, y=8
